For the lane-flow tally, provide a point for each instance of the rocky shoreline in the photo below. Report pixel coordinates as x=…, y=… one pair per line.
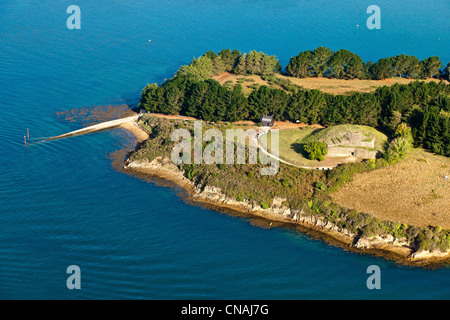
x=387, y=246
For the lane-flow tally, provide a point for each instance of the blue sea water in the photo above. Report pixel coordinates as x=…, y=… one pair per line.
x=62, y=203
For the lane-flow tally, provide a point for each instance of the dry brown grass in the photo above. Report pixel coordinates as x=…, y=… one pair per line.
x=246, y=85
x=340, y=86
x=413, y=191
x=333, y=86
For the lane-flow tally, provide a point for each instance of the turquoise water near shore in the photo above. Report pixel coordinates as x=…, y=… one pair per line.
x=63, y=203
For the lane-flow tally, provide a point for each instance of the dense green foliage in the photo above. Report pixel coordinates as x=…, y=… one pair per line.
x=344, y=64
x=425, y=107
x=400, y=145
x=317, y=150
x=211, y=64
x=319, y=62
x=446, y=72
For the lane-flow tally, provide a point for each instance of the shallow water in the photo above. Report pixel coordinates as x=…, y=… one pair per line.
x=63, y=203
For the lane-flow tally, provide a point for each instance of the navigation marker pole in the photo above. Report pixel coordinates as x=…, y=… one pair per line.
x=25, y=140
x=28, y=134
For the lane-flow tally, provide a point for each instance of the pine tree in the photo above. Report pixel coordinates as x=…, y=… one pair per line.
x=319, y=64
x=299, y=66
x=241, y=66
x=446, y=72
x=430, y=67
x=433, y=140
x=229, y=58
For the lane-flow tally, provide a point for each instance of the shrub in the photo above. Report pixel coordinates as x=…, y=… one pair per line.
x=316, y=150
x=222, y=166
x=190, y=174
x=371, y=228
x=264, y=205
x=285, y=182
x=398, y=147
x=400, y=230
x=320, y=186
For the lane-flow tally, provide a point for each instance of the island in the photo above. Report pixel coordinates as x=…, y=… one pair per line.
x=361, y=148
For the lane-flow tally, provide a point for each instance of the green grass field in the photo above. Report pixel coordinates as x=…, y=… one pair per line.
x=291, y=142
x=291, y=145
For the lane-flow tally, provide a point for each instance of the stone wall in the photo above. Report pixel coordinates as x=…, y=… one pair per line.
x=351, y=151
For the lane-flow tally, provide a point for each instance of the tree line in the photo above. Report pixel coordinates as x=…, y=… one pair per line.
x=211, y=64
x=344, y=64
x=425, y=107
x=320, y=62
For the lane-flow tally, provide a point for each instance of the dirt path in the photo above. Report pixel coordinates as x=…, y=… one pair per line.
x=168, y=116
x=264, y=131
x=277, y=125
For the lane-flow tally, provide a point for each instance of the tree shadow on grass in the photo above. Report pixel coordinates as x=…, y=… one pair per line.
x=299, y=148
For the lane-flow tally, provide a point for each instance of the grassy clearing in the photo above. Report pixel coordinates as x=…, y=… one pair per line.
x=290, y=145
x=291, y=142
x=413, y=191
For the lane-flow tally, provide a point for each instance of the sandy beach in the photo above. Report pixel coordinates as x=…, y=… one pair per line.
x=136, y=130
